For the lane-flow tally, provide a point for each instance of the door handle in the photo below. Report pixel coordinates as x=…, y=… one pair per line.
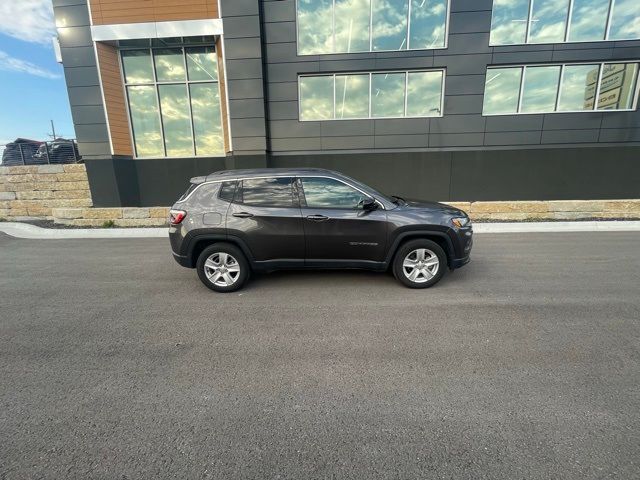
x=317, y=218
x=243, y=215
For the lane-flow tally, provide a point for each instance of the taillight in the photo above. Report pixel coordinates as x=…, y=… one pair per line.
x=176, y=216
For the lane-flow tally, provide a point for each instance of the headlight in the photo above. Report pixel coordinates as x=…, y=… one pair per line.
x=460, y=222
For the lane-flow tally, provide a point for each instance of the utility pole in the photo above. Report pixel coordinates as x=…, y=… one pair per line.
x=53, y=130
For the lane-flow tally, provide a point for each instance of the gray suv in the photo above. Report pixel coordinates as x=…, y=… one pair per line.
x=231, y=223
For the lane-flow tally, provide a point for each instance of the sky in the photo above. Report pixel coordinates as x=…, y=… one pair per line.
x=32, y=87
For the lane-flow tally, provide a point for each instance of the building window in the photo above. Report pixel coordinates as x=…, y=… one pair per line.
x=371, y=95
x=557, y=21
x=351, y=26
x=561, y=88
x=173, y=100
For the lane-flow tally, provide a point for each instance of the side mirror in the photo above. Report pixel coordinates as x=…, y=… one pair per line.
x=369, y=204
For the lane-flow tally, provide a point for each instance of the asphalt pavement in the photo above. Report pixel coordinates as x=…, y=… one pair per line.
x=117, y=363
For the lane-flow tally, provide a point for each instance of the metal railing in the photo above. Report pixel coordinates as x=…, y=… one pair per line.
x=31, y=152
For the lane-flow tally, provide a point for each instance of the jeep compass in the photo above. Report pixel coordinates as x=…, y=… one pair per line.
x=231, y=223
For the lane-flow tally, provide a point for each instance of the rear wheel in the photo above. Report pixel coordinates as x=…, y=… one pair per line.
x=222, y=267
x=419, y=263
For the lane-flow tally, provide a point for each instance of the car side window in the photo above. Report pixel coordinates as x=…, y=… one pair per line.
x=331, y=193
x=227, y=189
x=266, y=192
x=206, y=194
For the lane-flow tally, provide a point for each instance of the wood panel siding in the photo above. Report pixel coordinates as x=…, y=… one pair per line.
x=105, y=12
x=115, y=102
x=223, y=96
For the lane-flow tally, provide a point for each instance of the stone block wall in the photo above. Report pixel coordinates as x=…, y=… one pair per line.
x=552, y=210
x=121, y=217
x=32, y=192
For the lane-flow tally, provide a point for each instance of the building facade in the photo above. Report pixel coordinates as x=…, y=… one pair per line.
x=450, y=100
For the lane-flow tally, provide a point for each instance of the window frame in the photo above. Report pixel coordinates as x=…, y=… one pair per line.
x=295, y=197
x=567, y=28
x=238, y=179
x=408, y=32
x=600, y=64
x=442, y=70
x=155, y=84
x=302, y=196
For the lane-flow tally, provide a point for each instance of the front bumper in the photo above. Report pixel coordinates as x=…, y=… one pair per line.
x=465, y=238
x=460, y=262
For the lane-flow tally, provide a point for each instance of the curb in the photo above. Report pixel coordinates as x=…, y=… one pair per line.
x=25, y=230
x=551, y=227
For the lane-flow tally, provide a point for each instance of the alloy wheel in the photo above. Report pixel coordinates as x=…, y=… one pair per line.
x=222, y=269
x=420, y=265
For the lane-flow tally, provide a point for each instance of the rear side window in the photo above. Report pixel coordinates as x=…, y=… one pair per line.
x=227, y=190
x=191, y=188
x=266, y=192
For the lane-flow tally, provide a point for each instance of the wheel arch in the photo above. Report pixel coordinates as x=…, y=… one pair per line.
x=200, y=242
x=441, y=238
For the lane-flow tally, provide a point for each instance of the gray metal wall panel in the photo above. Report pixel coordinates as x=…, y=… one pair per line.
x=280, y=32
x=400, y=126
x=93, y=133
x=81, y=76
x=237, y=8
x=509, y=138
x=247, y=127
x=243, y=48
x=283, y=110
x=248, y=108
x=241, y=27
x=94, y=149
x=570, y=136
x=621, y=135
x=65, y=3
x=72, y=15
x=75, y=36
x=88, y=115
x=85, y=96
x=243, y=69
x=78, y=56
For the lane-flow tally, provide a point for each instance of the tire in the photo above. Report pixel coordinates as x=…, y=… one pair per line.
x=231, y=261
x=430, y=265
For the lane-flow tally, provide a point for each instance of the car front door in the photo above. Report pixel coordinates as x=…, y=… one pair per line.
x=336, y=226
x=265, y=215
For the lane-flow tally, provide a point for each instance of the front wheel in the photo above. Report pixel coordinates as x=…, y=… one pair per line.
x=222, y=267
x=419, y=263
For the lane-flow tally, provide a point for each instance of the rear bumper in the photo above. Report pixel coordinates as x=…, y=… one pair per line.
x=182, y=261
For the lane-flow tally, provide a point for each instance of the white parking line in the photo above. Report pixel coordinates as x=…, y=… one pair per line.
x=25, y=230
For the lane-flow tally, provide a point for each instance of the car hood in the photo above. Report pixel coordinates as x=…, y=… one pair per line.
x=433, y=207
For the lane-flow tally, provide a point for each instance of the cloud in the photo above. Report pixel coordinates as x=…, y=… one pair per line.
x=12, y=64
x=28, y=20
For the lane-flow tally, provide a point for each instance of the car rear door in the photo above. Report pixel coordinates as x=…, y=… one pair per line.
x=336, y=226
x=265, y=215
